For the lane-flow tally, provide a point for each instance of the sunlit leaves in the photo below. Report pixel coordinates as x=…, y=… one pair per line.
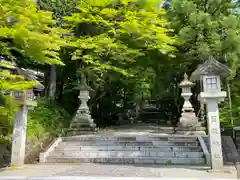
x=31, y=31
x=108, y=42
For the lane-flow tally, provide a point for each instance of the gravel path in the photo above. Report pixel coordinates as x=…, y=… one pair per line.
x=101, y=170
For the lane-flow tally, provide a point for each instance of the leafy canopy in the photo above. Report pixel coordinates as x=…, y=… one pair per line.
x=206, y=27
x=28, y=31
x=111, y=34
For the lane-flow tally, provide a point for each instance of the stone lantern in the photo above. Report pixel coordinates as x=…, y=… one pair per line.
x=209, y=75
x=186, y=86
x=25, y=97
x=82, y=122
x=26, y=102
x=188, y=122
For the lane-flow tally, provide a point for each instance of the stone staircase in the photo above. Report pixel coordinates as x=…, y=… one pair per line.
x=152, y=115
x=167, y=150
x=154, y=120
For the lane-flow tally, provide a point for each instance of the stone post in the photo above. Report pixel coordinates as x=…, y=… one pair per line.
x=209, y=74
x=213, y=123
x=20, y=127
x=19, y=136
x=214, y=135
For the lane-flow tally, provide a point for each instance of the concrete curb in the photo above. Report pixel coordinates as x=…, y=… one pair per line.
x=44, y=155
x=205, y=150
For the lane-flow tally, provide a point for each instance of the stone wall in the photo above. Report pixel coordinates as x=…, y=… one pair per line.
x=34, y=148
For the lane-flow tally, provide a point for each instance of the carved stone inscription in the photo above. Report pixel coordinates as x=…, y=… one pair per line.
x=215, y=137
x=213, y=119
x=19, y=137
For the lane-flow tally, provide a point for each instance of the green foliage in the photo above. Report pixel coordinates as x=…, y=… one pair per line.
x=206, y=27
x=225, y=111
x=10, y=83
x=29, y=32
x=58, y=7
x=209, y=28
x=118, y=44
x=111, y=35
x=47, y=119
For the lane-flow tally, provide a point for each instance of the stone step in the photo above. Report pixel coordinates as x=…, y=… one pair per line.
x=129, y=138
x=101, y=147
x=124, y=154
x=142, y=160
x=81, y=128
x=80, y=132
x=129, y=143
x=129, y=148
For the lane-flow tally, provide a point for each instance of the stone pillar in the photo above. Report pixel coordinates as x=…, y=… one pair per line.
x=19, y=136
x=214, y=135
x=214, y=132
x=26, y=102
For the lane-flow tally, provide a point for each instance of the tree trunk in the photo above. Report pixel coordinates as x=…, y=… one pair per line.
x=53, y=79
x=46, y=82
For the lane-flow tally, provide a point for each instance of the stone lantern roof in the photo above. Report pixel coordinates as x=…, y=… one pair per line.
x=186, y=82
x=30, y=77
x=83, y=84
x=28, y=74
x=210, y=67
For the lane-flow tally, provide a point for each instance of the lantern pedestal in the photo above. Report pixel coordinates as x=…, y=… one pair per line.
x=82, y=123
x=189, y=125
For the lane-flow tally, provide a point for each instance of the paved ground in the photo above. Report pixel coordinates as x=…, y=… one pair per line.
x=101, y=170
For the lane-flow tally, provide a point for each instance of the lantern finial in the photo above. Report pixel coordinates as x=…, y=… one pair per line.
x=83, y=79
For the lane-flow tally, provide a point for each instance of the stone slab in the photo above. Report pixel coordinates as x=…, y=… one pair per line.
x=182, y=132
x=128, y=138
x=197, y=128
x=70, y=133
x=129, y=148
x=142, y=160
x=131, y=143
x=126, y=154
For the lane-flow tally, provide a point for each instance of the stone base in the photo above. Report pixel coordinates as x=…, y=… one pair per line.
x=188, y=119
x=80, y=124
x=74, y=133
x=81, y=131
